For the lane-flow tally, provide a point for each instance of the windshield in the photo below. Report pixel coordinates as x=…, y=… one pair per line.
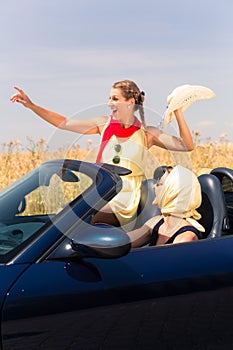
x=31, y=202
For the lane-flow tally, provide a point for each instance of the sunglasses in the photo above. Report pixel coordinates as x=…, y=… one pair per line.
x=116, y=159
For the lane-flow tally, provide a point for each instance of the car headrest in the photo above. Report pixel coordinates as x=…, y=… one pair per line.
x=221, y=172
x=213, y=207
x=158, y=173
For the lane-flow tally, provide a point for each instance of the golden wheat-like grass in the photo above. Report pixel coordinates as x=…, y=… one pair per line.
x=16, y=161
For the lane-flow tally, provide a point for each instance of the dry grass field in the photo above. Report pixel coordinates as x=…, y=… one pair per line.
x=16, y=160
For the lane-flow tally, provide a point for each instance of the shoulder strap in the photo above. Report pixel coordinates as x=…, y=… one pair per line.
x=154, y=235
x=182, y=230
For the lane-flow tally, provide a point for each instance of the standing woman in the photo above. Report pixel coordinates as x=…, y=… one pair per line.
x=124, y=141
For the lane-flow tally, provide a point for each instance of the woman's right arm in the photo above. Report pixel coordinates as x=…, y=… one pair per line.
x=89, y=126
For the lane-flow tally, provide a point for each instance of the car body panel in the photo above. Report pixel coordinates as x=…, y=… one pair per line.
x=8, y=276
x=140, y=280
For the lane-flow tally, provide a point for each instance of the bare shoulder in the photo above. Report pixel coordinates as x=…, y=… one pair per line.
x=187, y=236
x=100, y=121
x=152, y=130
x=152, y=135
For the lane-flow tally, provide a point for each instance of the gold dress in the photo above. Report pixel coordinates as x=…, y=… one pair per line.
x=132, y=156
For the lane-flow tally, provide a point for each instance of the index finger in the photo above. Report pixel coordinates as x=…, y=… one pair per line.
x=18, y=89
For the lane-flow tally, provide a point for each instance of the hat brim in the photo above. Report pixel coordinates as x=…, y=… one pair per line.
x=184, y=96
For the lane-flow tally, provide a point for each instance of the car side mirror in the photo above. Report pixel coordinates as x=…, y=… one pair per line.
x=101, y=241
x=93, y=241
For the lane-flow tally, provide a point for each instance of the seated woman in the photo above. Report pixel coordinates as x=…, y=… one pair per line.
x=178, y=195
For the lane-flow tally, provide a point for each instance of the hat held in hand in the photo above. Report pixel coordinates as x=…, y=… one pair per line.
x=182, y=97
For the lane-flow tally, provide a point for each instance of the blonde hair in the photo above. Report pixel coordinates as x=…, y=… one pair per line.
x=130, y=90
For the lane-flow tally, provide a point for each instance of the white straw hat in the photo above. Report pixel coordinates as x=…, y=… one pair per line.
x=183, y=96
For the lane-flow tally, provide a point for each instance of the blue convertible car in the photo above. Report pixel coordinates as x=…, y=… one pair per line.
x=66, y=284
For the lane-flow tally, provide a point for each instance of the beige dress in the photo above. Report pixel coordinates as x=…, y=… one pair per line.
x=132, y=156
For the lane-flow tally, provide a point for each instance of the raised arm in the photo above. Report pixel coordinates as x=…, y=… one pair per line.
x=159, y=138
x=89, y=126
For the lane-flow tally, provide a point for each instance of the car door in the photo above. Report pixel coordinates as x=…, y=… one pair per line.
x=176, y=296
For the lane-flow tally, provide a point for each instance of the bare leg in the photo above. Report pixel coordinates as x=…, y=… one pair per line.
x=105, y=216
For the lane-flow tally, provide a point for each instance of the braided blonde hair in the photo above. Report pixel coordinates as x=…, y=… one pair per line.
x=130, y=90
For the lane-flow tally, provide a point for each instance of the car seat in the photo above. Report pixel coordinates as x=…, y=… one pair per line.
x=213, y=207
x=146, y=209
x=225, y=176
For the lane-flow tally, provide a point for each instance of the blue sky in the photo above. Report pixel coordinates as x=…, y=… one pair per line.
x=66, y=54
